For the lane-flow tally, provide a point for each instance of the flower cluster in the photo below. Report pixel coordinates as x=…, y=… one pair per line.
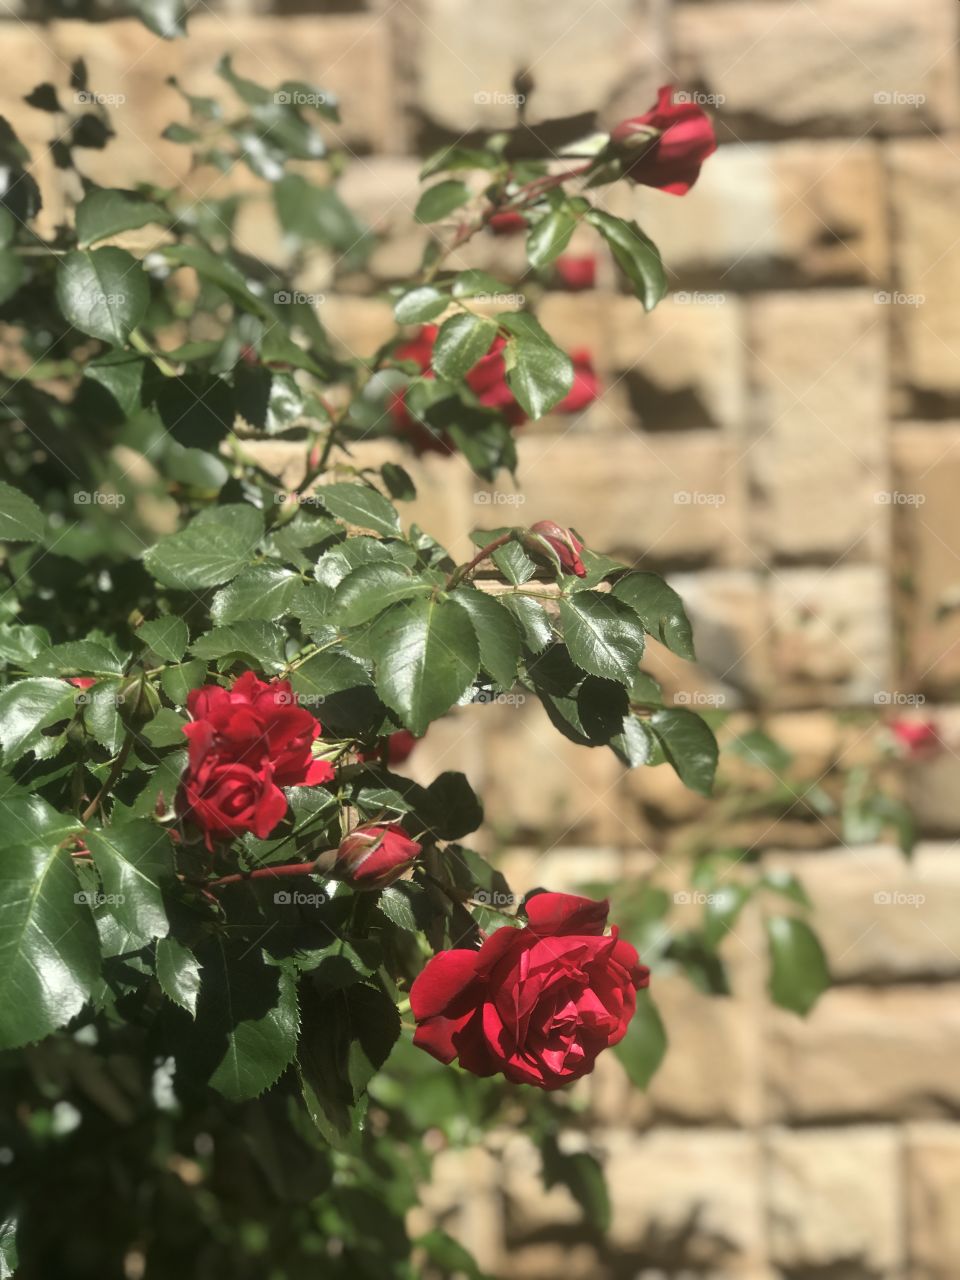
x=245, y=743
x=488, y=382
x=537, y=1004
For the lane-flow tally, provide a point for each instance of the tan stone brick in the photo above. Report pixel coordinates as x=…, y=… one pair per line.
x=817, y=450
x=580, y=58
x=845, y=65
x=687, y=1198
x=831, y=635
x=866, y=1052
x=342, y=54
x=729, y=612
x=880, y=917
x=924, y=190
x=926, y=459
x=932, y=1173
x=357, y=326
x=834, y=1199
x=933, y=786
x=794, y=212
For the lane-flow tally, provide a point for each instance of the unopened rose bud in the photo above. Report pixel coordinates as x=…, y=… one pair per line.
x=373, y=857
x=666, y=146
x=562, y=542
x=137, y=702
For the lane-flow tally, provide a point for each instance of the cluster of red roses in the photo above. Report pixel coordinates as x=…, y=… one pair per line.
x=245, y=743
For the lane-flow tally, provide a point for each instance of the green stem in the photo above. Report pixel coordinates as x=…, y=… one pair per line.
x=461, y=571
x=112, y=776
x=139, y=343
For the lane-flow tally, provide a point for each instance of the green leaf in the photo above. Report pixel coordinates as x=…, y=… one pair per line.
x=102, y=292
x=398, y=481
x=29, y=707
x=636, y=254
x=21, y=520
x=248, y=1015
x=12, y=273
x=357, y=504
x=75, y=657
x=266, y=591
x=367, y=591
x=455, y=808
x=477, y=284
x=49, y=954
x=437, y=201
x=165, y=18
x=256, y=638
x=29, y=818
x=643, y=1047
x=637, y=744
x=449, y=1256
x=217, y=271
x=426, y=656
x=798, y=967
x=660, y=610
x=421, y=304
x=178, y=972
x=497, y=634
x=397, y=907
x=533, y=620
x=106, y=212
x=582, y=1175
x=461, y=342
x=213, y=548
x=550, y=236
x=177, y=681
x=787, y=885
x=689, y=745
x=167, y=637
x=134, y=862
x=538, y=373
x=602, y=634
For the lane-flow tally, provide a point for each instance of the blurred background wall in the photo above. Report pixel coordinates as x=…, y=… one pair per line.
x=782, y=439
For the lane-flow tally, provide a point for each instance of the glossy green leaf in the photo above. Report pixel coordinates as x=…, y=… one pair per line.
x=212, y=549
x=135, y=861
x=368, y=590
x=29, y=707
x=105, y=212
x=357, y=504
x=798, y=967
x=636, y=255
x=439, y=200
x=497, y=634
x=643, y=1047
x=178, y=972
x=550, y=236
x=167, y=637
x=689, y=745
x=602, y=634
x=102, y=292
x=660, y=610
x=538, y=373
x=461, y=342
x=21, y=520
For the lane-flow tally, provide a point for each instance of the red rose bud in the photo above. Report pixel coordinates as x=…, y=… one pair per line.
x=917, y=739
x=537, y=1004
x=563, y=542
x=576, y=273
x=82, y=682
x=507, y=223
x=373, y=857
x=666, y=146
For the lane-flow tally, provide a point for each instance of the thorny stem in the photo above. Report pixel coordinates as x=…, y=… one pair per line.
x=461, y=572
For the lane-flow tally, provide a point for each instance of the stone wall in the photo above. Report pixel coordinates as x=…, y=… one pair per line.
x=782, y=438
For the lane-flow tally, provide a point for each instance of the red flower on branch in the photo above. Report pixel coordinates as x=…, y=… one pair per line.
x=917, y=739
x=576, y=273
x=374, y=856
x=245, y=743
x=564, y=542
x=537, y=1004
x=666, y=146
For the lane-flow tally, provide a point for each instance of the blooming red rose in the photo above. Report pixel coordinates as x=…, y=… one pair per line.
x=374, y=856
x=537, y=1004
x=245, y=743
x=666, y=146
x=488, y=381
x=918, y=739
x=576, y=273
x=564, y=542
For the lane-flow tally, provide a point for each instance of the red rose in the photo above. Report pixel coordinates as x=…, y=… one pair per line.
x=537, y=1004
x=507, y=223
x=918, y=739
x=586, y=385
x=398, y=748
x=373, y=857
x=245, y=743
x=227, y=799
x=564, y=542
x=666, y=146
x=576, y=273
x=82, y=682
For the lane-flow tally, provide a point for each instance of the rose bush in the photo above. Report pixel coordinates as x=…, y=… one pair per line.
x=220, y=898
